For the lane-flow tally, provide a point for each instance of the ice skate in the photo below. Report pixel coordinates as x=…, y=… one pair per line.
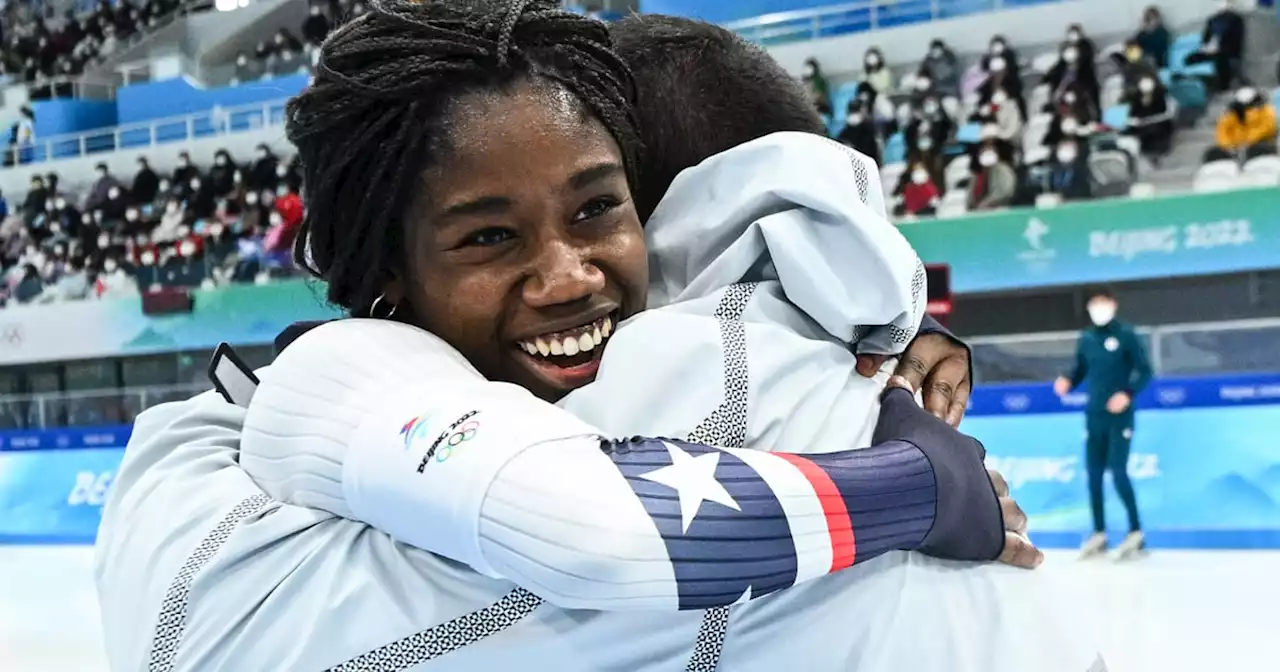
x=1134, y=544
x=1095, y=545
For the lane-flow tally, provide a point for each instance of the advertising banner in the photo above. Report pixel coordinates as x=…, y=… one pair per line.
x=239, y=314
x=1105, y=241
x=1204, y=462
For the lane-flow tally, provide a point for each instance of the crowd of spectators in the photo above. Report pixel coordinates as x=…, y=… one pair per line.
x=45, y=54
x=1004, y=131
x=286, y=53
x=199, y=226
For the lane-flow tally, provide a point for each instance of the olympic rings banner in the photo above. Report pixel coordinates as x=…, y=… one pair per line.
x=1204, y=461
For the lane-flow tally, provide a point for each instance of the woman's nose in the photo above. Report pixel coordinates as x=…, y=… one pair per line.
x=562, y=273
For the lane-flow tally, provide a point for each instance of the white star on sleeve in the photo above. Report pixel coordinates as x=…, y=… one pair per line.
x=694, y=480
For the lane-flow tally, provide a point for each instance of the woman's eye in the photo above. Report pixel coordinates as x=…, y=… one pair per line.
x=596, y=208
x=487, y=237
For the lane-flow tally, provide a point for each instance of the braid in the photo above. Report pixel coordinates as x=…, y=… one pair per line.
x=375, y=116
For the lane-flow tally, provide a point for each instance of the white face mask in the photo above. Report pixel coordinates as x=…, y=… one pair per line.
x=148, y=258
x=221, y=161
x=195, y=185
x=110, y=266
x=987, y=158
x=854, y=119
x=1070, y=55
x=925, y=144
x=936, y=52
x=1069, y=98
x=996, y=65
x=187, y=249
x=241, y=60
x=873, y=61
x=113, y=193
x=1222, y=5
x=1066, y=154
x=104, y=241
x=997, y=48
x=923, y=84
x=1101, y=313
x=999, y=97
x=281, y=171
x=1147, y=85
x=1073, y=36
x=919, y=176
x=1246, y=95
x=171, y=207
x=184, y=162
x=315, y=11
x=251, y=198
x=930, y=107
x=276, y=219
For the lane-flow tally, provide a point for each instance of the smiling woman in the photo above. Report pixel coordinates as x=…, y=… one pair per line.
x=481, y=193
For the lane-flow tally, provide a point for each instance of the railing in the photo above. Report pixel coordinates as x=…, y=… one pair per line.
x=210, y=123
x=1242, y=346
x=854, y=17
x=89, y=408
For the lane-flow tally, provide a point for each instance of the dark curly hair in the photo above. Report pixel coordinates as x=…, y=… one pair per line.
x=379, y=113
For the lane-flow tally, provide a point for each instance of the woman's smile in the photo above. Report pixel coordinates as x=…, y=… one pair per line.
x=567, y=358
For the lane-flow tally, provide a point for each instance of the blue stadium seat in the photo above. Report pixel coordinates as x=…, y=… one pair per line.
x=1182, y=47
x=969, y=133
x=895, y=149
x=1116, y=116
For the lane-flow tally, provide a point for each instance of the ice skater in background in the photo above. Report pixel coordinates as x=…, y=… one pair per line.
x=1113, y=359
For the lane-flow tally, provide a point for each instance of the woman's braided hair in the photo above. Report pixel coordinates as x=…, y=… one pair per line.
x=376, y=116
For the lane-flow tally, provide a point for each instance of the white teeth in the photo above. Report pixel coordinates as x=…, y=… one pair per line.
x=570, y=346
x=607, y=328
x=585, y=344
x=542, y=348
x=596, y=337
x=556, y=348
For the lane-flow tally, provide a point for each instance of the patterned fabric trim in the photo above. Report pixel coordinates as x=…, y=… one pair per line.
x=725, y=427
x=173, y=611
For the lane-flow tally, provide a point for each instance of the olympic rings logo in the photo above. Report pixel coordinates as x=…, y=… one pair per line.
x=461, y=435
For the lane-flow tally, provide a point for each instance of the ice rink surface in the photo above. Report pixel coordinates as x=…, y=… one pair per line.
x=1171, y=611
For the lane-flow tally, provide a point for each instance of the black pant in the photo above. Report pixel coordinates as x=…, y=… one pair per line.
x=1250, y=152
x=1224, y=68
x=1108, y=449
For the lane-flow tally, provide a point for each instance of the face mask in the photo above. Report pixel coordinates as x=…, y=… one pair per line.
x=262, y=153
x=1066, y=154
x=997, y=48
x=282, y=192
x=1070, y=55
x=1069, y=98
x=215, y=230
x=171, y=207
x=919, y=176
x=241, y=60
x=86, y=218
x=113, y=193
x=1223, y=5
x=55, y=227
x=104, y=241
x=281, y=171
x=1134, y=55
x=873, y=61
x=184, y=231
x=97, y=216
x=936, y=52
x=131, y=215
x=275, y=219
x=923, y=84
x=187, y=249
x=184, y=162
x=1147, y=85
x=237, y=178
x=60, y=204
x=164, y=186
x=999, y=97
x=148, y=258
x=109, y=266
x=1073, y=36
x=221, y=161
x=48, y=205
x=251, y=198
x=1245, y=95
x=1101, y=313
x=315, y=11
x=195, y=185
x=102, y=173
x=930, y=107
x=988, y=158
x=925, y=144
x=996, y=65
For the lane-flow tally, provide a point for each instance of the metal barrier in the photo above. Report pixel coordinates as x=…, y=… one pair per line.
x=855, y=17
x=1241, y=346
x=213, y=122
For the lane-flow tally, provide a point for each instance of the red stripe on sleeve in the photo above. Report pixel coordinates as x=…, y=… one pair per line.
x=843, y=546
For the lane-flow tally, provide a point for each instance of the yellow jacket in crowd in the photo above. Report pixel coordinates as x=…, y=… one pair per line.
x=1258, y=126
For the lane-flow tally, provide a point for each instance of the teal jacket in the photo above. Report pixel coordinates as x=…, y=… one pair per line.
x=1112, y=359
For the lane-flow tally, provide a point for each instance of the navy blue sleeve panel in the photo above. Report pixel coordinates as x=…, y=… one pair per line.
x=739, y=524
x=1141, y=375
x=1081, y=369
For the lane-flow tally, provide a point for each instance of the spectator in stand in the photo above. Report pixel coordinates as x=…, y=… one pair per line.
x=1069, y=171
x=1150, y=118
x=285, y=41
x=74, y=283
x=114, y=281
x=995, y=182
x=316, y=26
x=860, y=131
x=1154, y=38
x=34, y=204
x=920, y=194
x=220, y=252
x=289, y=205
x=816, y=82
x=942, y=67
x=170, y=222
x=147, y=272
x=876, y=73
x=1074, y=114
x=1001, y=111
x=286, y=63
x=146, y=184
x=201, y=202
x=930, y=127
x=263, y=53
x=30, y=286
x=1222, y=44
x=183, y=174
x=114, y=207
x=1001, y=76
x=1247, y=128
x=104, y=183
x=222, y=177
x=1134, y=64
x=1074, y=70
x=262, y=174
x=247, y=69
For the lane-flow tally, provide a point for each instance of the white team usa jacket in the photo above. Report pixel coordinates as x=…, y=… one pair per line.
x=762, y=279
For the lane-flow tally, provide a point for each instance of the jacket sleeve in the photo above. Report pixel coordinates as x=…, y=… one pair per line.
x=487, y=475
x=1081, y=369
x=1265, y=129
x=1227, y=133
x=1142, y=373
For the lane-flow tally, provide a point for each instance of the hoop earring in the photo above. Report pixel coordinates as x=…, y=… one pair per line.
x=373, y=309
